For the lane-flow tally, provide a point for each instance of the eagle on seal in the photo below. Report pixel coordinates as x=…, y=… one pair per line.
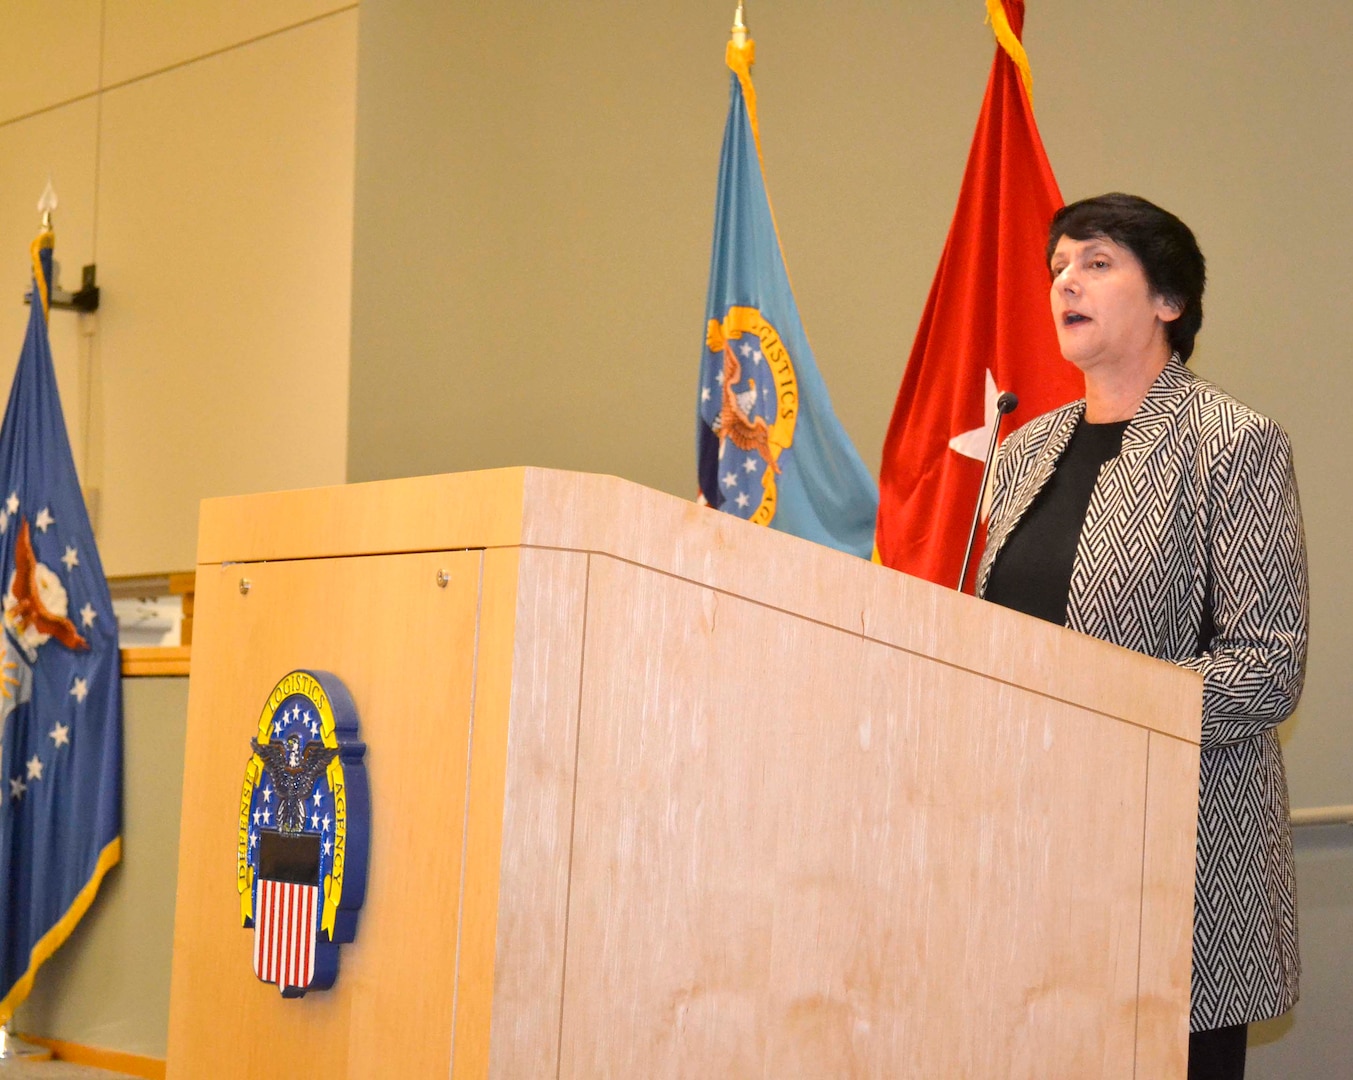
x=734, y=421
x=293, y=773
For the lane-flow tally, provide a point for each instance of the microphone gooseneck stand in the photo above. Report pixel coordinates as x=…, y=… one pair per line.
x=1006, y=403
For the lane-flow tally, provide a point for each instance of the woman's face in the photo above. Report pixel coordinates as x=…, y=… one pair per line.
x=1106, y=313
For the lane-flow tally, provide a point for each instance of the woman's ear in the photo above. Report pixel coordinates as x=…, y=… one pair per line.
x=1168, y=310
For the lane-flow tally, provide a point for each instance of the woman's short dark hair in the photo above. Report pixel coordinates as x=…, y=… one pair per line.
x=1164, y=245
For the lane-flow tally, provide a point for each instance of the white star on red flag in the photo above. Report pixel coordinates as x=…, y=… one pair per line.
x=973, y=443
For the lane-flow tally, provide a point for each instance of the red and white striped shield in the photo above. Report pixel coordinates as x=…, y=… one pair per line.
x=284, y=932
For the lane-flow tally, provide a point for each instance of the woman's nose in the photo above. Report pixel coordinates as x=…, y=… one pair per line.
x=1066, y=279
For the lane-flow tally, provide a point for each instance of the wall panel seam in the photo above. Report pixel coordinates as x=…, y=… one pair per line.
x=101, y=89
x=228, y=48
x=9, y=121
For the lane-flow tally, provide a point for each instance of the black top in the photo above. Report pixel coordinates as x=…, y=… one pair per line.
x=1032, y=573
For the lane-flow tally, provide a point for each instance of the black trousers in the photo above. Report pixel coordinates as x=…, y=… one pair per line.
x=1218, y=1054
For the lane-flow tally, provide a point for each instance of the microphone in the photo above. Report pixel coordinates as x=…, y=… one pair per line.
x=1006, y=403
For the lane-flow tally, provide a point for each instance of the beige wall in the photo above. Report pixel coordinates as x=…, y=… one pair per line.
x=203, y=156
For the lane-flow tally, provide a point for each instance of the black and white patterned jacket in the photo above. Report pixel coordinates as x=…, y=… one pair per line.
x=1192, y=551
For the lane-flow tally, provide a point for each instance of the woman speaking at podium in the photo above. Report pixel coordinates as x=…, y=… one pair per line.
x=1161, y=514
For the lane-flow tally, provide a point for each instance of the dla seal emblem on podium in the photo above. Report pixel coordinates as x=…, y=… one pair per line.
x=304, y=832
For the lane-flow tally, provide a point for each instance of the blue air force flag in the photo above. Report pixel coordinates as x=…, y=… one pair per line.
x=768, y=445
x=60, y=689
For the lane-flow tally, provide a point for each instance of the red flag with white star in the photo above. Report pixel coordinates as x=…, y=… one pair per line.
x=987, y=328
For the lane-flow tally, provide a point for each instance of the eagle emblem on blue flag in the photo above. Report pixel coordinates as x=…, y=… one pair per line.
x=60, y=674
x=768, y=446
x=304, y=832
x=749, y=397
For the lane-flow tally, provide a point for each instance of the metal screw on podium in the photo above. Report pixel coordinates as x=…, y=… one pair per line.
x=244, y=586
x=443, y=579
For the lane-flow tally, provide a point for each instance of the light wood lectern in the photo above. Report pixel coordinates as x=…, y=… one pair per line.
x=658, y=793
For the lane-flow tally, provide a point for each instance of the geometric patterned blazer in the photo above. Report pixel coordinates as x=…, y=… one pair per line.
x=1192, y=551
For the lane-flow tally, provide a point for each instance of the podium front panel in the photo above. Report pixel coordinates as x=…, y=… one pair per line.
x=798, y=852
x=405, y=648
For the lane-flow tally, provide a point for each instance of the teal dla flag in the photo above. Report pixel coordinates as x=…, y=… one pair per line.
x=768, y=445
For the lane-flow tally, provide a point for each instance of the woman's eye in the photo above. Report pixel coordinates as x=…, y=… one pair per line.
x=1100, y=264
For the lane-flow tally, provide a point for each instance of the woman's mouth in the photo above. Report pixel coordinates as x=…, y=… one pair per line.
x=1071, y=318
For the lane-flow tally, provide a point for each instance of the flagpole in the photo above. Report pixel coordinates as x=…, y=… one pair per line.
x=739, y=27
x=11, y=1046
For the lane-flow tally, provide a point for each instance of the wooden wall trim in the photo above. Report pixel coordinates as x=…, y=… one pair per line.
x=156, y=660
x=118, y=1061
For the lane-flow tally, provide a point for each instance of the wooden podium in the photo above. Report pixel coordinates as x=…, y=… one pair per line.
x=657, y=793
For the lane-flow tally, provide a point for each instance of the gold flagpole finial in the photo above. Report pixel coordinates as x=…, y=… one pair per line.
x=46, y=204
x=739, y=28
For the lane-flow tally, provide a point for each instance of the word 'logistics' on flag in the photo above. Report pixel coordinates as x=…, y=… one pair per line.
x=768, y=445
